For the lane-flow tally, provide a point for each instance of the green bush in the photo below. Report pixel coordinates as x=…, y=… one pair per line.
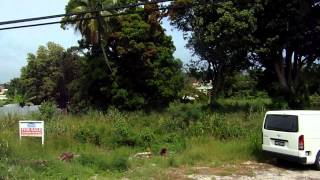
x=119, y=160
x=90, y=134
x=114, y=161
x=114, y=114
x=218, y=126
x=123, y=134
x=173, y=141
x=315, y=101
x=182, y=115
x=47, y=110
x=255, y=139
x=5, y=150
x=196, y=129
x=146, y=137
x=279, y=103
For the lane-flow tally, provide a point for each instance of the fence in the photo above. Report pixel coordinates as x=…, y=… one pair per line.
x=17, y=109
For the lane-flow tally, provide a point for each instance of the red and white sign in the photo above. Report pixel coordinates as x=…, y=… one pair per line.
x=33, y=132
x=31, y=129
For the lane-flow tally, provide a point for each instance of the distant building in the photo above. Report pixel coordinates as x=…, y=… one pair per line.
x=3, y=93
x=203, y=87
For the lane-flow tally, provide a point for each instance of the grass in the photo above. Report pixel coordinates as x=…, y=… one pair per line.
x=208, y=151
x=104, y=143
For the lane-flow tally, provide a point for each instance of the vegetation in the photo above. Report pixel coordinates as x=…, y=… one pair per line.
x=280, y=39
x=46, y=76
x=221, y=40
x=104, y=143
x=120, y=91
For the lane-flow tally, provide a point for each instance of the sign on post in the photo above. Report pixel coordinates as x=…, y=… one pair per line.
x=31, y=129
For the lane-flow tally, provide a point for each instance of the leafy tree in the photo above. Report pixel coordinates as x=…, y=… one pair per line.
x=144, y=71
x=47, y=75
x=15, y=87
x=219, y=34
x=288, y=45
x=197, y=69
x=282, y=36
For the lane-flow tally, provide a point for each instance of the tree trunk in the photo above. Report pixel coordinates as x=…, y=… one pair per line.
x=292, y=86
x=105, y=56
x=217, y=79
x=101, y=31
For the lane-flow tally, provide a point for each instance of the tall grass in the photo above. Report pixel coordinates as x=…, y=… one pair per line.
x=104, y=142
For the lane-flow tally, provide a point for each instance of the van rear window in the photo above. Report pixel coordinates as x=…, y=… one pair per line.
x=287, y=123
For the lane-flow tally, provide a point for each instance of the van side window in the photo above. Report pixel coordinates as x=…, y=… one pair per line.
x=287, y=123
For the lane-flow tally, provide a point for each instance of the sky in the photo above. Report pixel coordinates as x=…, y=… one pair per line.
x=16, y=44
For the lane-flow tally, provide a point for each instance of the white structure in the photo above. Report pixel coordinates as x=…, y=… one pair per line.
x=17, y=109
x=293, y=135
x=31, y=129
x=203, y=87
x=3, y=93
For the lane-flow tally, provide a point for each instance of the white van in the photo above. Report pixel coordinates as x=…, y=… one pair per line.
x=292, y=135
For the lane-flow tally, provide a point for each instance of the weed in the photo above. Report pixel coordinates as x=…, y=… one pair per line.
x=123, y=134
x=47, y=110
x=146, y=137
x=105, y=140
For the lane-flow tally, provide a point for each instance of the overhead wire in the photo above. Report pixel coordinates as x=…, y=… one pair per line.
x=75, y=20
x=80, y=13
x=83, y=12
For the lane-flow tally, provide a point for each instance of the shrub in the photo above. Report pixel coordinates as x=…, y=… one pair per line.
x=4, y=149
x=47, y=110
x=9, y=121
x=114, y=161
x=114, y=114
x=182, y=115
x=219, y=127
x=119, y=160
x=90, y=134
x=196, y=129
x=256, y=141
x=315, y=101
x=146, y=137
x=279, y=103
x=122, y=134
x=174, y=142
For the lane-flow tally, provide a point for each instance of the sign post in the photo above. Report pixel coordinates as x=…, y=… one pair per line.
x=31, y=129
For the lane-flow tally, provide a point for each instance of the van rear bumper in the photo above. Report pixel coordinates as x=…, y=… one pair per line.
x=301, y=160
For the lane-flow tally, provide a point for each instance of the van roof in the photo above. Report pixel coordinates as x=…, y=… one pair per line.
x=294, y=112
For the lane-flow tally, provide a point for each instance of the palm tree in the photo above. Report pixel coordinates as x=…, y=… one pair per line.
x=96, y=30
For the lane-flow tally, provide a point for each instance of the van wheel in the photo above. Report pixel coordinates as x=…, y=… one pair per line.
x=317, y=163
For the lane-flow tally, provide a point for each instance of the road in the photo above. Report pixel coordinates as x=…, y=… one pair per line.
x=251, y=170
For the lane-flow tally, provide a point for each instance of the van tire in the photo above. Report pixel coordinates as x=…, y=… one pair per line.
x=317, y=163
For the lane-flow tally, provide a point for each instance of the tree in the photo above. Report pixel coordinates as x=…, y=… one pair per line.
x=218, y=33
x=47, y=75
x=288, y=37
x=144, y=72
x=95, y=31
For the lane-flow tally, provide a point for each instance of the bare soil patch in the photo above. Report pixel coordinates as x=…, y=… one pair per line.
x=248, y=170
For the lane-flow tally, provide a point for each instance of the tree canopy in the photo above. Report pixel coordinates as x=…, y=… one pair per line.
x=127, y=61
x=47, y=75
x=280, y=36
x=219, y=34
x=144, y=71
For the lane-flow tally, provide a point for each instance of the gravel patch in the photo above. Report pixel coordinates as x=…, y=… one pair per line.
x=254, y=170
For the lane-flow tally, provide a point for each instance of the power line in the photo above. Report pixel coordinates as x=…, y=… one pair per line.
x=79, y=13
x=78, y=19
x=84, y=12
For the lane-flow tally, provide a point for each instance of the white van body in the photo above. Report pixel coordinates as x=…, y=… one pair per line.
x=292, y=135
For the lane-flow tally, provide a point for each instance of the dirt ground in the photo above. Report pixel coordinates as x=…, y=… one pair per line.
x=249, y=170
